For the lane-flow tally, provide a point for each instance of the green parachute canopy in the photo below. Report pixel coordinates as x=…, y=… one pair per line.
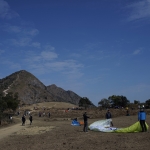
x=104, y=126
x=136, y=127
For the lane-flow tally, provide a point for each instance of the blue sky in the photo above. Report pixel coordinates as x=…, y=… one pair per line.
x=96, y=48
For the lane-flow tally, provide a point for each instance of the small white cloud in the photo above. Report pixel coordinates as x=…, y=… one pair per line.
x=12, y=65
x=75, y=55
x=63, y=65
x=11, y=29
x=47, y=62
x=57, y=66
x=43, y=57
x=20, y=30
x=136, y=52
x=36, y=44
x=49, y=48
x=6, y=12
x=33, y=59
x=139, y=10
x=32, y=32
x=48, y=55
x=20, y=42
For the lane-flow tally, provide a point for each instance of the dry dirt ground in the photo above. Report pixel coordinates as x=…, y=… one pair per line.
x=56, y=133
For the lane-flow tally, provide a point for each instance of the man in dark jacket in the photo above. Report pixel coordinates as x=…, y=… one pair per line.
x=108, y=116
x=141, y=119
x=49, y=114
x=30, y=118
x=85, y=117
x=23, y=120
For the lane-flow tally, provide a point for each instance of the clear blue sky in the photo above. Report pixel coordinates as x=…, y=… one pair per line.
x=95, y=48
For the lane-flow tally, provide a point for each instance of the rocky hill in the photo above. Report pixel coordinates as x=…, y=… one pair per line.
x=62, y=95
x=31, y=90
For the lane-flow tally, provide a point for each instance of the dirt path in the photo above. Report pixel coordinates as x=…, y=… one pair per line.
x=5, y=132
x=28, y=129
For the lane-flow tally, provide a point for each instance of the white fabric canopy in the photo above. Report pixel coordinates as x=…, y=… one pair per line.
x=102, y=125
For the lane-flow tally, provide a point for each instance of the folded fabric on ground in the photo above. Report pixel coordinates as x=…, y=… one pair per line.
x=75, y=123
x=104, y=126
x=136, y=127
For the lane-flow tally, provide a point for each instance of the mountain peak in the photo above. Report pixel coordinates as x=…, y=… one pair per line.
x=31, y=90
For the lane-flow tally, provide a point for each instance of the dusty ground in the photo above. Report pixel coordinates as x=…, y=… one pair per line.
x=56, y=133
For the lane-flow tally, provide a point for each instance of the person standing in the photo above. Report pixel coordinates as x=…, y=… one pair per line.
x=141, y=119
x=127, y=113
x=23, y=120
x=10, y=117
x=30, y=118
x=49, y=114
x=85, y=117
x=109, y=116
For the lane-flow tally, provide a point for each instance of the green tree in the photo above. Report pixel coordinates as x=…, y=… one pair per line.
x=3, y=106
x=118, y=100
x=12, y=101
x=9, y=101
x=85, y=102
x=105, y=103
x=148, y=103
x=136, y=102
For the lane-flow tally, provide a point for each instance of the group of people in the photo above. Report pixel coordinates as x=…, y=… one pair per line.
x=31, y=118
x=85, y=118
x=141, y=119
x=43, y=114
x=24, y=119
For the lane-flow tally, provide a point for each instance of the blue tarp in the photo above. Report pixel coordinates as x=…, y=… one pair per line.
x=75, y=123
